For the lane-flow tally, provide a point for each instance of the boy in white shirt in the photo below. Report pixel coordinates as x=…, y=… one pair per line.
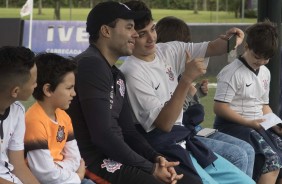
x=18, y=74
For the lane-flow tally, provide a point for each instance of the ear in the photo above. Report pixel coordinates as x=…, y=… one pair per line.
x=46, y=90
x=105, y=31
x=15, y=91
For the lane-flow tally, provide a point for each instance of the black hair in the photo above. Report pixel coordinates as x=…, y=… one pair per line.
x=15, y=65
x=51, y=69
x=262, y=39
x=140, y=6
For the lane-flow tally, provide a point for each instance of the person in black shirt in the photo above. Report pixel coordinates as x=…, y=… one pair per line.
x=113, y=150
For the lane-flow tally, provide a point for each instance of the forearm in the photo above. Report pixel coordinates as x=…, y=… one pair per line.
x=223, y=110
x=216, y=47
x=71, y=156
x=219, y=45
x=172, y=109
x=266, y=109
x=20, y=168
x=25, y=175
x=3, y=181
x=47, y=171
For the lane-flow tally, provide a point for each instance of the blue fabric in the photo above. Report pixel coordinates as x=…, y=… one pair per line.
x=221, y=172
x=166, y=144
x=87, y=181
x=236, y=151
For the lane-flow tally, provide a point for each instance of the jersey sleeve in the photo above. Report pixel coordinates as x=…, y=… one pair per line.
x=227, y=85
x=36, y=135
x=46, y=170
x=72, y=156
x=16, y=141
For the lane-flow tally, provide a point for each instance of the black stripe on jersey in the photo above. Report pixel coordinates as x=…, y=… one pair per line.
x=70, y=136
x=247, y=65
x=220, y=101
x=35, y=145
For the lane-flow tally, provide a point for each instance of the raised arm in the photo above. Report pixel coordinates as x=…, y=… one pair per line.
x=219, y=45
x=171, y=110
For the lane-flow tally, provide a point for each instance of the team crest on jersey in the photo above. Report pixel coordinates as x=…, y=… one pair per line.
x=170, y=73
x=111, y=165
x=61, y=134
x=265, y=84
x=120, y=82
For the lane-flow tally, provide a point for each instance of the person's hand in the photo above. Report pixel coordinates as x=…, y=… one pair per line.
x=194, y=68
x=255, y=124
x=175, y=177
x=277, y=130
x=81, y=169
x=166, y=174
x=239, y=35
x=204, y=86
x=171, y=177
x=192, y=90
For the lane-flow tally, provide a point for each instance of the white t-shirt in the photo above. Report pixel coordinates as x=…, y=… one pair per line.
x=13, y=124
x=151, y=84
x=244, y=90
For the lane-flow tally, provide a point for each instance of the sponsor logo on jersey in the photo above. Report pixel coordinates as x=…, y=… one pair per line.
x=111, y=165
x=247, y=85
x=156, y=88
x=61, y=134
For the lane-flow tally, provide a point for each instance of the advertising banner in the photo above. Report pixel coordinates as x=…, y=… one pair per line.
x=66, y=38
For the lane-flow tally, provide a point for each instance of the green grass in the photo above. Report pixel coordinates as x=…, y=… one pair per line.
x=81, y=14
x=207, y=102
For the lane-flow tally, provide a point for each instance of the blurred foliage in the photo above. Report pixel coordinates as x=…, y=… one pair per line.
x=196, y=5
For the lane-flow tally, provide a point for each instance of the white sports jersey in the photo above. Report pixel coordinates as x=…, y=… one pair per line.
x=13, y=129
x=245, y=90
x=151, y=84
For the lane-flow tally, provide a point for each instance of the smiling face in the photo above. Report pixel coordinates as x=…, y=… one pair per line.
x=254, y=60
x=64, y=92
x=122, y=37
x=145, y=46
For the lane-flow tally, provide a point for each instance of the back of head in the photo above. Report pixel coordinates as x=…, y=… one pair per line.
x=172, y=29
x=105, y=13
x=15, y=66
x=140, y=6
x=262, y=39
x=51, y=69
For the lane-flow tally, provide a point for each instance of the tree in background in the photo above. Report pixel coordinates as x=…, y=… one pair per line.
x=39, y=7
x=57, y=14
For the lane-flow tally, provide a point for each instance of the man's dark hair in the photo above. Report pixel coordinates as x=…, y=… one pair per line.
x=262, y=39
x=140, y=6
x=172, y=29
x=15, y=66
x=51, y=69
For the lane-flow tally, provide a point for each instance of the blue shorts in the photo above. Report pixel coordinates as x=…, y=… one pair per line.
x=221, y=172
